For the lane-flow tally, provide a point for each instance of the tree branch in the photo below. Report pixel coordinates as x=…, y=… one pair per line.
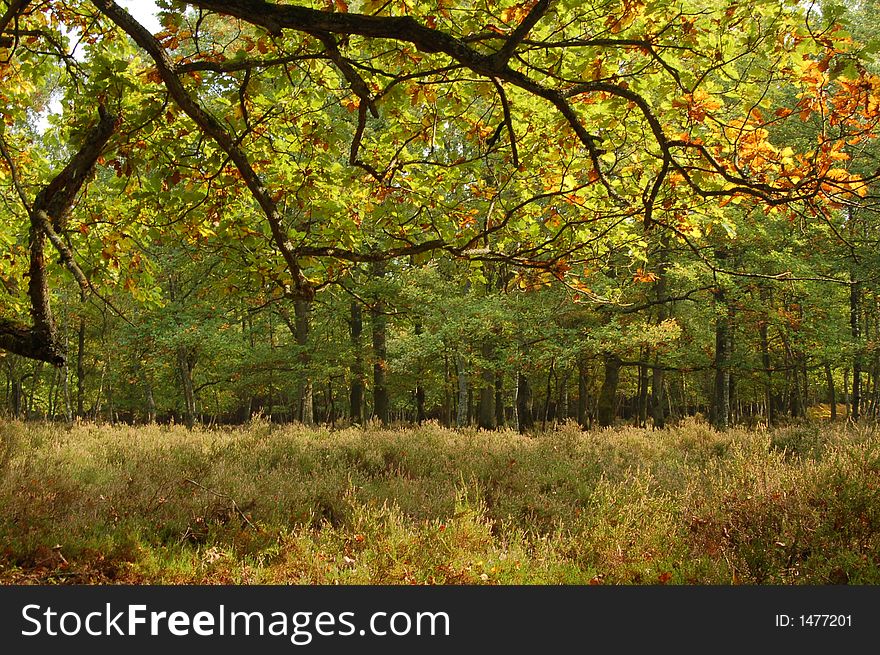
x=212, y=128
x=521, y=32
x=47, y=213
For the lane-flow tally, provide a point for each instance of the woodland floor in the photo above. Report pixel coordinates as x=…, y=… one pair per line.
x=268, y=504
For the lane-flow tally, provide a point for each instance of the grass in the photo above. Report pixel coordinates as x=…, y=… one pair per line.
x=266, y=504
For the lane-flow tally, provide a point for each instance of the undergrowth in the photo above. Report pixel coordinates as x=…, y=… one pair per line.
x=266, y=504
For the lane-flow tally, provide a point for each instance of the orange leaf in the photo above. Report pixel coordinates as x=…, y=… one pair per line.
x=644, y=276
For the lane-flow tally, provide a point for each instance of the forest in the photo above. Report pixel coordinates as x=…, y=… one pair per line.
x=446, y=219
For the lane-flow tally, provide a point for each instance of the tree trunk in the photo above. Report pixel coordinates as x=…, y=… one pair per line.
x=305, y=393
x=875, y=387
x=80, y=368
x=658, y=397
x=48, y=214
x=855, y=313
x=562, y=397
x=95, y=411
x=356, y=389
x=331, y=403
x=148, y=396
x=381, y=405
x=420, y=389
x=721, y=389
x=608, y=394
x=546, y=412
x=642, y=416
x=65, y=382
x=499, y=399
x=658, y=376
x=447, y=392
x=486, y=410
x=583, y=390
x=524, y=417
x=53, y=387
x=17, y=398
x=768, y=373
x=185, y=365
x=832, y=396
x=35, y=381
x=461, y=416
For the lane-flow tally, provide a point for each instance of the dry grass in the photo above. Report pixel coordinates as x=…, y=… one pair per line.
x=269, y=504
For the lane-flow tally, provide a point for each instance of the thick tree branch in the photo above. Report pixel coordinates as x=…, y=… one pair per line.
x=57, y=197
x=13, y=11
x=237, y=66
x=212, y=128
x=351, y=75
x=40, y=341
x=521, y=32
x=67, y=258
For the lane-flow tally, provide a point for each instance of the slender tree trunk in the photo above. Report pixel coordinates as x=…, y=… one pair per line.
x=658, y=400
x=447, y=391
x=95, y=411
x=151, y=402
x=486, y=410
x=185, y=365
x=331, y=403
x=721, y=388
x=148, y=395
x=768, y=373
x=832, y=396
x=111, y=407
x=65, y=381
x=875, y=387
x=855, y=312
x=17, y=398
x=306, y=395
x=524, y=418
x=658, y=375
x=461, y=416
x=546, y=413
x=80, y=368
x=53, y=388
x=379, y=327
x=608, y=394
x=381, y=405
x=35, y=381
x=583, y=390
x=642, y=416
x=875, y=366
x=356, y=389
x=420, y=389
x=562, y=397
x=499, y=399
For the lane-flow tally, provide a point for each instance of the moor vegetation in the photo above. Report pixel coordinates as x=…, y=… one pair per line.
x=286, y=504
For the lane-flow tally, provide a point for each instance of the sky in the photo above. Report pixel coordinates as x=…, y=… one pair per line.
x=144, y=11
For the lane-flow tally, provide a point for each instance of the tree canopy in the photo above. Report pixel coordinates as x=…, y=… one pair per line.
x=505, y=190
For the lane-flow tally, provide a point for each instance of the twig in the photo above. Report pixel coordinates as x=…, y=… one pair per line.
x=227, y=497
